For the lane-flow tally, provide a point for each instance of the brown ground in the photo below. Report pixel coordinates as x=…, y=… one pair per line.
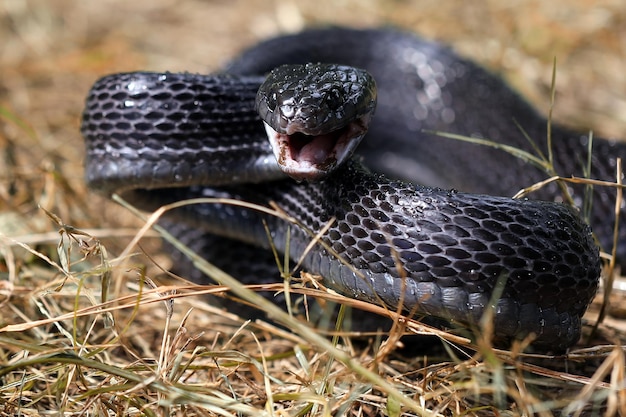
x=51, y=51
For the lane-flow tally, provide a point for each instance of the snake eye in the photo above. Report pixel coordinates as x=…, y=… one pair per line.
x=334, y=98
x=272, y=101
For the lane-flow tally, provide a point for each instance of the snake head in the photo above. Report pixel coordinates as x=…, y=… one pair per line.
x=315, y=115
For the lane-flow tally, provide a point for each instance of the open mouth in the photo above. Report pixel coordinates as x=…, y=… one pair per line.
x=310, y=157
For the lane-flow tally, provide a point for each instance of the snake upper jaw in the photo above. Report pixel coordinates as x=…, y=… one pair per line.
x=312, y=157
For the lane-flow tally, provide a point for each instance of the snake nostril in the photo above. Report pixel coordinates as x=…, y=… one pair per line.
x=272, y=101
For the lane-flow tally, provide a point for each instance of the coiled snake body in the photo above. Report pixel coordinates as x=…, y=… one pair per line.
x=158, y=138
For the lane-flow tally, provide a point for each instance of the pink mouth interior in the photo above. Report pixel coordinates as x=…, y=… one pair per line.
x=315, y=150
x=311, y=157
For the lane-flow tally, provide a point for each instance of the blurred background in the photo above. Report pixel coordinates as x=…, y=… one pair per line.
x=51, y=52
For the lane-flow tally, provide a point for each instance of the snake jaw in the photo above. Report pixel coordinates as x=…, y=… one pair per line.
x=311, y=157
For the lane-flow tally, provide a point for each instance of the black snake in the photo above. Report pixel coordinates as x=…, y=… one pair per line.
x=159, y=138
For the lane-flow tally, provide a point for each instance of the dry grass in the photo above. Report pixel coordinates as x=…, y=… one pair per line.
x=91, y=325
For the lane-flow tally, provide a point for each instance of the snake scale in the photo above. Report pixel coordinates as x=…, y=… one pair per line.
x=157, y=138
